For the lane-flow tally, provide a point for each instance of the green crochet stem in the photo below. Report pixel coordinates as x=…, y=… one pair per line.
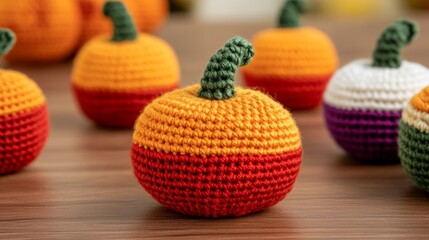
x=124, y=28
x=7, y=40
x=289, y=15
x=218, y=79
x=387, y=54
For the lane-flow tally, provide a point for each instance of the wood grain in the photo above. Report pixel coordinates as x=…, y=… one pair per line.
x=82, y=186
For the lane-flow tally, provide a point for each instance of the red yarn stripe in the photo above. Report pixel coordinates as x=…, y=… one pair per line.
x=22, y=137
x=216, y=186
x=116, y=109
x=299, y=92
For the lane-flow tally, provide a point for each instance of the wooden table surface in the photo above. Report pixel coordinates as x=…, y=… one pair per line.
x=82, y=185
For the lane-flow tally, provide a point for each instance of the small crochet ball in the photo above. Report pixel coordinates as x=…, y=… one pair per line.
x=292, y=63
x=47, y=31
x=364, y=100
x=114, y=78
x=214, y=150
x=414, y=139
x=24, y=123
x=148, y=15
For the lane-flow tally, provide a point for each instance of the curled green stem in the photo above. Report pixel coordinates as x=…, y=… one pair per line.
x=7, y=40
x=123, y=25
x=218, y=79
x=387, y=53
x=289, y=15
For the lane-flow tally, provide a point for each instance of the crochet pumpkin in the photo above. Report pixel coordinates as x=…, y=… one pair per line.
x=365, y=98
x=115, y=77
x=47, y=30
x=292, y=63
x=24, y=123
x=214, y=150
x=414, y=139
x=147, y=14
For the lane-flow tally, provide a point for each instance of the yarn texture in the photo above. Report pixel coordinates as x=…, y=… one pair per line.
x=414, y=139
x=289, y=15
x=363, y=104
x=219, y=84
x=46, y=30
x=115, y=78
x=217, y=157
x=399, y=34
x=292, y=63
x=148, y=16
x=124, y=27
x=24, y=123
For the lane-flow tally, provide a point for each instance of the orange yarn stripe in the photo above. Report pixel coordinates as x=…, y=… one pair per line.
x=46, y=30
x=420, y=101
x=18, y=93
x=152, y=14
x=181, y=123
x=290, y=52
x=148, y=62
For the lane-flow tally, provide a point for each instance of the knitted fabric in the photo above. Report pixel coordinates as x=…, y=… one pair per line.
x=115, y=81
x=116, y=109
x=24, y=123
x=216, y=158
x=293, y=65
x=148, y=16
x=363, y=104
x=214, y=150
x=289, y=16
x=47, y=30
x=414, y=139
x=7, y=41
x=217, y=84
x=124, y=28
x=153, y=13
x=397, y=35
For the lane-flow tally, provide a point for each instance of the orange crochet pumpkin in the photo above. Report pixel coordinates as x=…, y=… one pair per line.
x=148, y=15
x=24, y=120
x=114, y=78
x=215, y=150
x=292, y=63
x=46, y=30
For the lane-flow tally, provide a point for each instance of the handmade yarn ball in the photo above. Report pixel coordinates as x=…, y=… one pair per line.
x=214, y=150
x=414, y=139
x=292, y=63
x=47, y=30
x=114, y=78
x=24, y=122
x=148, y=15
x=364, y=100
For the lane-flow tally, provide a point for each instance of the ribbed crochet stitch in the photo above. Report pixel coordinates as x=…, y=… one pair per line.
x=148, y=15
x=47, y=30
x=24, y=124
x=364, y=100
x=217, y=155
x=414, y=139
x=292, y=63
x=115, y=77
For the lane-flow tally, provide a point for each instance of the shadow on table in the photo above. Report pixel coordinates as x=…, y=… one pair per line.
x=92, y=137
x=346, y=160
x=162, y=222
x=417, y=193
x=369, y=181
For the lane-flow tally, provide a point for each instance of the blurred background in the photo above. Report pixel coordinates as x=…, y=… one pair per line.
x=257, y=10
x=84, y=172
